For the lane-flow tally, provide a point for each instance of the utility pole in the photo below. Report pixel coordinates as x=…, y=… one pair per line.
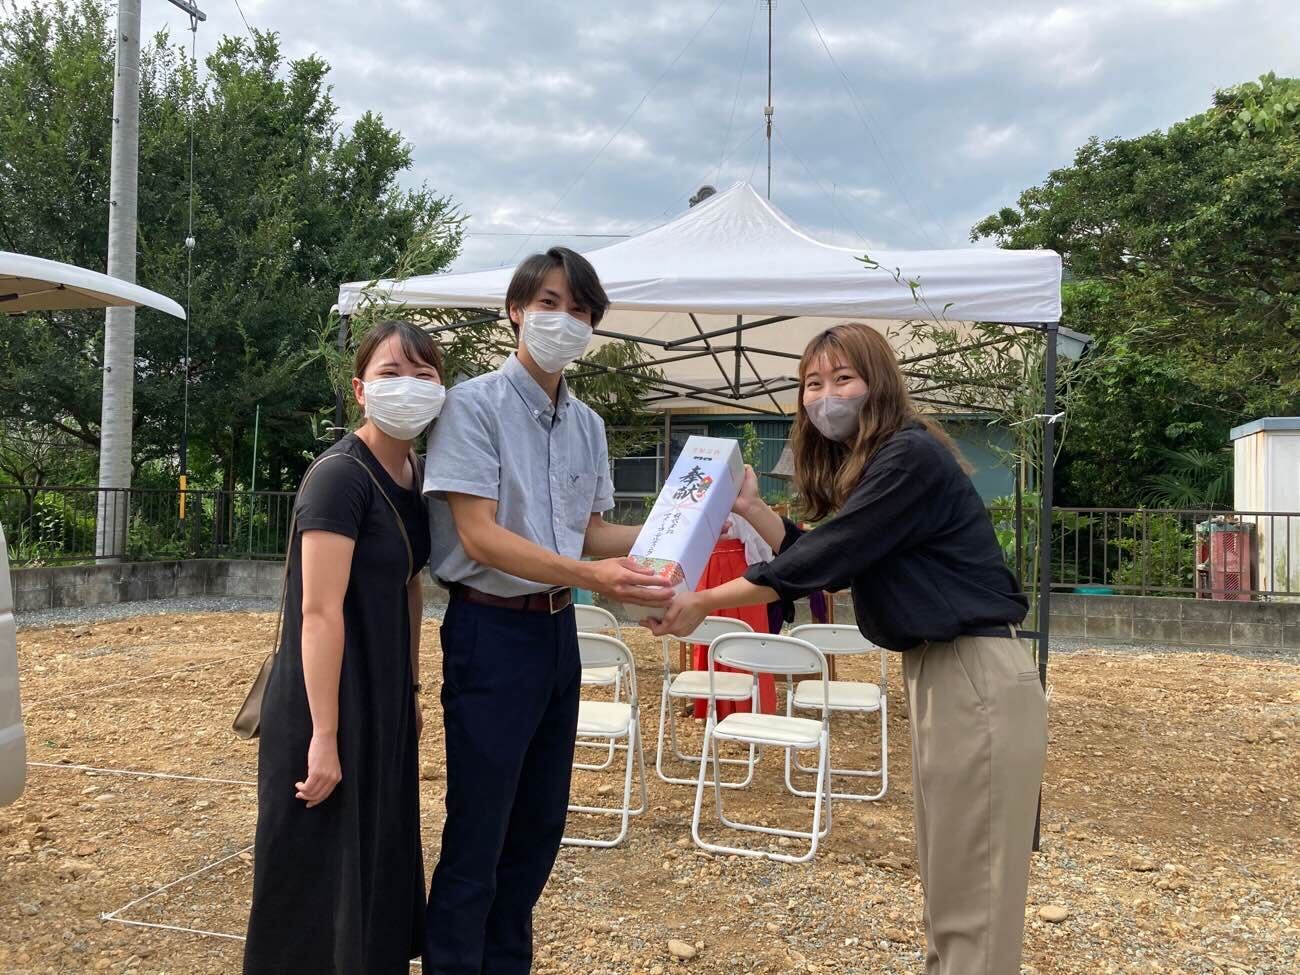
x=113, y=507
x=768, y=110
x=119, y=323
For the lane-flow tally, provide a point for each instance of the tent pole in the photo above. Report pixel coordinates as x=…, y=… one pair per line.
x=1045, y=526
x=452, y=326
x=598, y=368
x=757, y=323
x=735, y=389
x=668, y=448
x=1045, y=522
x=696, y=322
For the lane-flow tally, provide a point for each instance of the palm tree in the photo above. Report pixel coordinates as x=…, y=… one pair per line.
x=1193, y=478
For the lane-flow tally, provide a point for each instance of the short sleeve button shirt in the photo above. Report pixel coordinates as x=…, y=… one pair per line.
x=545, y=464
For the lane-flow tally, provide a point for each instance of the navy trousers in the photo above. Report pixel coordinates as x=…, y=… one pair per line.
x=510, y=710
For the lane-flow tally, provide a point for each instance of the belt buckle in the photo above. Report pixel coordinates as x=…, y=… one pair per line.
x=550, y=601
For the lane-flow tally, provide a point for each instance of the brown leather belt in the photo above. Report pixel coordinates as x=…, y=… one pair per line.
x=551, y=601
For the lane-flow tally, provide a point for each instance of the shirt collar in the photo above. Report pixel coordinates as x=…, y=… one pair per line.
x=534, y=397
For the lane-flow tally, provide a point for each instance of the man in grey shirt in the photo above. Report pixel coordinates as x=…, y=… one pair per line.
x=524, y=470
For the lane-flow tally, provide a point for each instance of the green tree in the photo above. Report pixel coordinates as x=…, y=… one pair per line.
x=1183, y=252
x=287, y=204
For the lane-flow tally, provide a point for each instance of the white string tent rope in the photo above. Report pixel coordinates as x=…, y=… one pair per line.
x=856, y=102
x=617, y=132
x=135, y=773
x=136, y=680
x=113, y=915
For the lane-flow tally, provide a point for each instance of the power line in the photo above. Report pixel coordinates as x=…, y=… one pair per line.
x=739, y=147
x=243, y=18
x=740, y=79
x=619, y=131
x=816, y=179
x=861, y=113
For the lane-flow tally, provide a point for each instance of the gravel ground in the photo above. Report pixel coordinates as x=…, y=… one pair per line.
x=1171, y=827
x=248, y=604
x=160, y=607
x=1073, y=645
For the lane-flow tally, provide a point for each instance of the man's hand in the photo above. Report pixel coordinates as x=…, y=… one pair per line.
x=748, y=498
x=628, y=582
x=683, y=617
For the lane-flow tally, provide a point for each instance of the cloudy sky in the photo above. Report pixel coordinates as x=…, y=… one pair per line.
x=897, y=124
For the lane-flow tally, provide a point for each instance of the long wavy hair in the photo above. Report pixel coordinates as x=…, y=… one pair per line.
x=826, y=471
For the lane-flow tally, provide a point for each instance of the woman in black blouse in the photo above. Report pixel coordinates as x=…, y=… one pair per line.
x=338, y=875
x=904, y=528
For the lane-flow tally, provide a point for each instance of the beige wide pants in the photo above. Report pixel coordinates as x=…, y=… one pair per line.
x=979, y=742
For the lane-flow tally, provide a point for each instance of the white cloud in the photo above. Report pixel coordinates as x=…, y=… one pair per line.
x=966, y=102
x=987, y=142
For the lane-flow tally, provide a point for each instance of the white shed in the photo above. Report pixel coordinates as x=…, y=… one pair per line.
x=1266, y=484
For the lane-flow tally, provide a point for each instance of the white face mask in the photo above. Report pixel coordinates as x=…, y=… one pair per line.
x=554, y=338
x=836, y=417
x=402, y=406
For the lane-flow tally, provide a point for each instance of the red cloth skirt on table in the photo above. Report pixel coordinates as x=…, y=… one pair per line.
x=725, y=564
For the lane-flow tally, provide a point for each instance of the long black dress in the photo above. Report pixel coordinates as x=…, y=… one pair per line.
x=339, y=889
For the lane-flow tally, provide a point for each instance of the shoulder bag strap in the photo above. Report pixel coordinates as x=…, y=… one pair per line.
x=288, y=555
x=406, y=539
x=293, y=523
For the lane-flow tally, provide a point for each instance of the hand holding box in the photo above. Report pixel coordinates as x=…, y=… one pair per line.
x=688, y=516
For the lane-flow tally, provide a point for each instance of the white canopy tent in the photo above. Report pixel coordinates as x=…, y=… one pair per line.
x=37, y=284
x=729, y=293
x=735, y=281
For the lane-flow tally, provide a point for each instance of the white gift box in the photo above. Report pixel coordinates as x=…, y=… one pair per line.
x=684, y=525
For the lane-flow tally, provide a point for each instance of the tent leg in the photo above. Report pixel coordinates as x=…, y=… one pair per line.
x=739, y=348
x=668, y=448
x=1045, y=525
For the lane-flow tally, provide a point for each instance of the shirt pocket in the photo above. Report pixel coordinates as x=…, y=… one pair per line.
x=580, y=499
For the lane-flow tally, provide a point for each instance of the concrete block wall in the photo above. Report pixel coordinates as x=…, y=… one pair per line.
x=73, y=586
x=65, y=587
x=1199, y=623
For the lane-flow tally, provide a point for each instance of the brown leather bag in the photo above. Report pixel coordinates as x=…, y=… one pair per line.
x=248, y=720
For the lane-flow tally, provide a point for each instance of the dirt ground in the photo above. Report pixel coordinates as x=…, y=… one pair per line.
x=1170, y=824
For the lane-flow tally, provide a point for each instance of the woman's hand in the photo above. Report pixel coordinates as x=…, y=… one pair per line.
x=748, y=499
x=323, y=770
x=682, y=618
x=419, y=720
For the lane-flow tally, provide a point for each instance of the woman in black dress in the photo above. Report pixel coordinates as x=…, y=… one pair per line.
x=903, y=527
x=338, y=882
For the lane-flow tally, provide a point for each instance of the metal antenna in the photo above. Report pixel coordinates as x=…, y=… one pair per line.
x=768, y=110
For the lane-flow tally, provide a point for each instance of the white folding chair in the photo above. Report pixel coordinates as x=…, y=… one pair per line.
x=593, y=619
x=613, y=721
x=695, y=684
x=846, y=697
x=764, y=653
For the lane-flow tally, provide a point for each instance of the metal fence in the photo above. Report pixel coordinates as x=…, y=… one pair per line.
x=59, y=525
x=1162, y=552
